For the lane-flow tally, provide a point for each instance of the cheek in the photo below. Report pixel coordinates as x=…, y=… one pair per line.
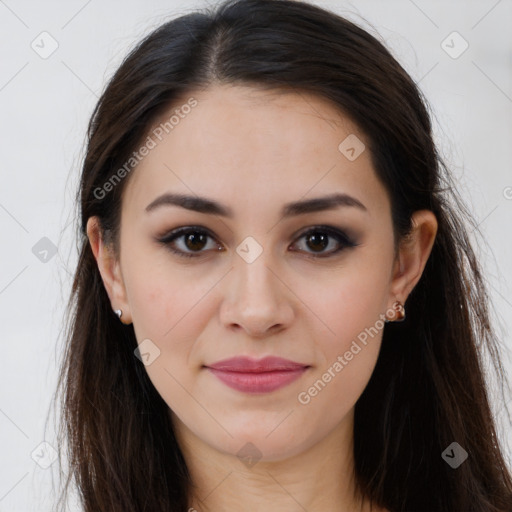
x=170, y=316
x=166, y=301
x=170, y=308
x=346, y=303
x=348, y=337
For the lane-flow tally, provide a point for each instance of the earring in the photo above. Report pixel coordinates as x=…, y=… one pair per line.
x=399, y=309
x=118, y=312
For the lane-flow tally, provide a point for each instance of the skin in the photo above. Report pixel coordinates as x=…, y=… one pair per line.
x=255, y=151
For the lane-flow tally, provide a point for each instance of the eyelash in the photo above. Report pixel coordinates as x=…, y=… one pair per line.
x=339, y=236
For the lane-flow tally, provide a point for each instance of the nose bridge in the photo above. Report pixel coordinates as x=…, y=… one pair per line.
x=253, y=278
x=256, y=299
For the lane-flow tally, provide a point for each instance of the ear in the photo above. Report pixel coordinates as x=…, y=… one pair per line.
x=109, y=268
x=413, y=254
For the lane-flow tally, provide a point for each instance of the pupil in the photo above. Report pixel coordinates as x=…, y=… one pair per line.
x=196, y=241
x=317, y=238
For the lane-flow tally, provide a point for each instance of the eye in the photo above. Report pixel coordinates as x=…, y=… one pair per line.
x=192, y=238
x=193, y=241
x=319, y=238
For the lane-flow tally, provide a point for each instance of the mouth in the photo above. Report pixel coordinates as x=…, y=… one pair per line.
x=257, y=376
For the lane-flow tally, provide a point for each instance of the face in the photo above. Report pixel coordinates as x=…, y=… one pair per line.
x=258, y=276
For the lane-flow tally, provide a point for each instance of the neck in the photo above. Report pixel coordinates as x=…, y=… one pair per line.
x=318, y=478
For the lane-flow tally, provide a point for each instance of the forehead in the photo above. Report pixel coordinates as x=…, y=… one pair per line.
x=253, y=146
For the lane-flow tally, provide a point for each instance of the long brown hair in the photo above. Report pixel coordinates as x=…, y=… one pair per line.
x=428, y=388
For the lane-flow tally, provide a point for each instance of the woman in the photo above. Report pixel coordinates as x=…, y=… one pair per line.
x=276, y=305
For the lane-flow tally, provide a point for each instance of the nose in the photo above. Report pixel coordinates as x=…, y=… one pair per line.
x=256, y=298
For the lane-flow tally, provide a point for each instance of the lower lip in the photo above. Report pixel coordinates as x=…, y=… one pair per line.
x=263, y=382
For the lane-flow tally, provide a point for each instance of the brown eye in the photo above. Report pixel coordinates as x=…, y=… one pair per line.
x=319, y=238
x=317, y=241
x=195, y=241
x=188, y=242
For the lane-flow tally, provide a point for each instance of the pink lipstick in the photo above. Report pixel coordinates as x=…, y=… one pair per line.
x=257, y=375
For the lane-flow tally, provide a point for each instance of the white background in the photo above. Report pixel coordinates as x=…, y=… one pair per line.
x=45, y=105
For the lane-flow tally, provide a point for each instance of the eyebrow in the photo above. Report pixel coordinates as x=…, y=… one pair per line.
x=209, y=206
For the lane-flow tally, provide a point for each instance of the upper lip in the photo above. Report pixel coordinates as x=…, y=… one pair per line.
x=250, y=365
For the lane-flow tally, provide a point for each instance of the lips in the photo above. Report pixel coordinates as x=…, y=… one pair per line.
x=257, y=375
x=248, y=365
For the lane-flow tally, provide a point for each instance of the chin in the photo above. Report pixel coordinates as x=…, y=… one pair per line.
x=257, y=444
